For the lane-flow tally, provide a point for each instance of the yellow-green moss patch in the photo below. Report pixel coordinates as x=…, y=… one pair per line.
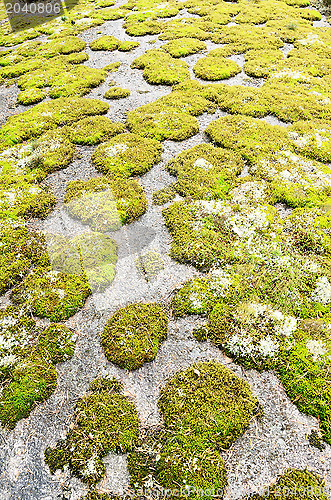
x=30, y=96
x=150, y=264
x=93, y=130
x=116, y=93
x=105, y=43
x=215, y=68
x=133, y=334
x=160, y=68
x=181, y=47
x=312, y=138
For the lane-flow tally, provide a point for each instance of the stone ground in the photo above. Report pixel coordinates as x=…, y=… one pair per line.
x=270, y=445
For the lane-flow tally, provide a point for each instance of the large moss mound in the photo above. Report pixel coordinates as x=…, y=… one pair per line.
x=93, y=130
x=132, y=336
x=127, y=155
x=215, y=68
x=160, y=68
x=105, y=422
x=104, y=204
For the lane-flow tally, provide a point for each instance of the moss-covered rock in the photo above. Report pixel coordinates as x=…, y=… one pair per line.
x=312, y=138
x=105, y=422
x=292, y=483
x=133, y=334
x=105, y=204
x=160, y=68
x=45, y=116
x=205, y=171
x=105, y=42
x=161, y=122
x=248, y=136
x=116, y=93
x=215, y=68
x=205, y=409
x=181, y=47
x=93, y=130
x=51, y=294
x=127, y=155
x=149, y=265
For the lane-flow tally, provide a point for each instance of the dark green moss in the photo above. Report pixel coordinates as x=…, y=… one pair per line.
x=105, y=204
x=94, y=129
x=105, y=422
x=127, y=155
x=149, y=265
x=315, y=440
x=132, y=335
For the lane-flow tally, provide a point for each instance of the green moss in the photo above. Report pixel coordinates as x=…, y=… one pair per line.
x=23, y=199
x=51, y=294
x=132, y=335
x=93, y=130
x=248, y=136
x=160, y=68
x=161, y=122
x=31, y=382
x=49, y=115
x=77, y=58
x=164, y=195
x=112, y=67
x=185, y=28
x=246, y=37
x=312, y=138
x=56, y=343
x=105, y=422
x=215, y=68
x=105, y=42
x=190, y=97
x=292, y=483
x=311, y=229
x=205, y=409
x=126, y=155
x=149, y=265
x=20, y=251
x=62, y=45
x=128, y=46
x=181, y=47
x=104, y=204
x=315, y=440
x=116, y=93
x=31, y=96
x=205, y=171
x=259, y=63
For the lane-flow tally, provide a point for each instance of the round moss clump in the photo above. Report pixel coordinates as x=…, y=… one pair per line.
x=106, y=422
x=248, y=136
x=149, y=265
x=127, y=155
x=128, y=46
x=105, y=43
x=31, y=96
x=56, y=342
x=205, y=409
x=182, y=47
x=51, y=294
x=117, y=93
x=161, y=69
x=24, y=199
x=312, y=138
x=292, y=483
x=162, y=122
x=93, y=130
x=105, y=204
x=215, y=68
x=132, y=335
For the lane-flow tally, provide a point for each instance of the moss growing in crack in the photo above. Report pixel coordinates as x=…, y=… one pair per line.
x=104, y=204
x=49, y=115
x=105, y=422
x=162, y=122
x=182, y=47
x=205, y=409
x=31, y=96
x=293, y=480
x=149, y=265
x=106, y=42
x=127, y=46
x=312, y=138
x=215, y=68
x=133, y=334
x=93, y=130
x=127, y=155
x=116, y=93
x=164, y=195
x=51, y=294
x=248, y=136
x=160, y=68
x=205, y=171
x=21, y=250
